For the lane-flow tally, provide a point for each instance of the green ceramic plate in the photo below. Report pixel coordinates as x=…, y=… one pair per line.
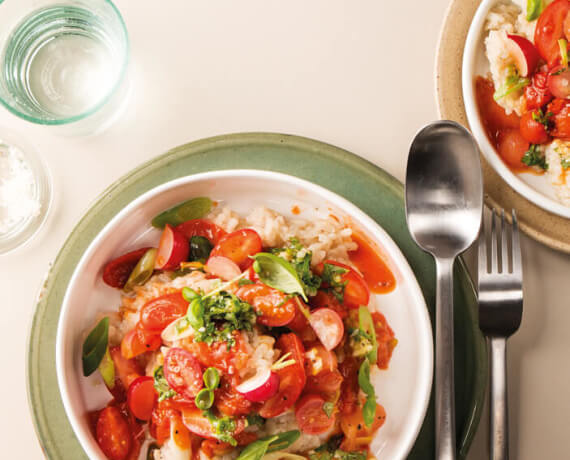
x=370, y=188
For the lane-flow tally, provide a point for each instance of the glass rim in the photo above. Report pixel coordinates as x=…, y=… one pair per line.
x=96, y=107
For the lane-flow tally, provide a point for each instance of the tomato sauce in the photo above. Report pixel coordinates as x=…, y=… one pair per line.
x=376, y=273
x=296, y=210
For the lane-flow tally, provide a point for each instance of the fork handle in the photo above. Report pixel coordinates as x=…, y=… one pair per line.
x=499, y=416
x=444, y=388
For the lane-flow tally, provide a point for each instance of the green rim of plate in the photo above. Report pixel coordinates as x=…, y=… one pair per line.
x=370, y=188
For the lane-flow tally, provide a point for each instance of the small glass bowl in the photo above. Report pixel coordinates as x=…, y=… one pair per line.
x=42, y=191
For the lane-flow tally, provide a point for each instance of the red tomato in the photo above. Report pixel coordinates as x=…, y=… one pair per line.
x=126, y=370
x=326, y=384
x=229, y=401
x=159, y=312
x=492, y=114
x=116, y=273
x=217, y=354
x=356, y=290
x=172, y=249
x=559, y=82
x=325, y=299
x=356, y=432
x=113, y=434
x=201, y=227
x=328, y=326
x=385, y=339
x=512, y=146
x=300, y=324
x=141, y=398
x=292, y=378
x=238, y=246
x=349, y=388
x=272, y=304
x=183, y=372
x=200, y=425
x=318, y=359
x=159, y=425
x=311, y=416
x=138, y=341
x=533, y=131
x=560, y=119
x=549, y=29
x=537, y=93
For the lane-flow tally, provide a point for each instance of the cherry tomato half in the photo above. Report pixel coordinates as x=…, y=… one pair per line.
x=272, y=304
x=356, y=290
x=113, y=434
x=328, y=326
x=292, y=377
x=537, y=93
x=141, y=398
x=219, y=356
x=327, y=384
x=138, y=341
x=238, y=246
x=201, y=227
x=533, y=131
x=183, y=372
x=117, y=271
x=549, y=29
x=311, y=416
x=318, y=360
x=229, y=401
x=159, y=312
x=512, y=147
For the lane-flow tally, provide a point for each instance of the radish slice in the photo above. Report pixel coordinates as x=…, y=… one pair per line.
x=222, y=267
x=261, y=387
x=172, y=249
x=328, y=326
x=524, y=53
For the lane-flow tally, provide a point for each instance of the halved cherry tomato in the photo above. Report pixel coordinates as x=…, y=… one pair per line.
x=159, y=312
x=560, y=109
x=318, y=359
x=183, y=372
x=327, y=384
x=238, y=246
x=138, y=341
x=172, y=249
x=200, y=425
x=272, y=304
x=559, y=82
x=292, y=377
x=201, y=227
x=311, y=416
x=228, y=400
x=533, y=131
x=218, y=355
x=537, y=93
x=549, y=29
x=116, y=273
x=385, y=339
x=113, y=434
x=141, y=398
x=126, y=370
x=356, y=290
x=300, y=324
x=328, y=326
x=512, y=147
x=356, y=433
x=159, y=426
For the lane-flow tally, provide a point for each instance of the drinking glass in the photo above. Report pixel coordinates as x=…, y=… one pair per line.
x=63, y=63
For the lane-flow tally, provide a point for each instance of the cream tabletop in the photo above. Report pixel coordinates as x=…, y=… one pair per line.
x=358, y=75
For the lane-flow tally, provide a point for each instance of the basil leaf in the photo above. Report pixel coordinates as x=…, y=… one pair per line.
x=107, y=369
x=191, y=209
x=366, y=325
x=369, y=409
x=95, y=346
x=257, y=449
x=278, y=273
x=211, y=378
x=533, y=9
x=161, y=385
x=283, y=440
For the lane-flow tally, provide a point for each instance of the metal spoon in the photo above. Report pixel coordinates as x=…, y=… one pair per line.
x=444, y=207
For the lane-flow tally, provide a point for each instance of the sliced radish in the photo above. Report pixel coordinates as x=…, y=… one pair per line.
x=328, y=326
x=222, y=267
x=261, y=387
x=172, y=249
x=524, y=53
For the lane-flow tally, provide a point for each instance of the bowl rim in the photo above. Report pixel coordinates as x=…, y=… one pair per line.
x=468, y=88
x=425, y=374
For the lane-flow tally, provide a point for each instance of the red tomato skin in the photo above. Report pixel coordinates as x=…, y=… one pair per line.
x=117, y=271
x=126, y=370
x=327, y=384
x=310, y=415
x=273, y=305
x=325, y=299
x=560, y=109
x=292, y=377
x=183, y=372
x=201, y=227
x=549, y=29
x=319, y=360
x=238, y=246
x=533, y=131
x=113, y=434
x=138, y=341
x=159, y=312
x=142, y=397
x=354, y=428
x=537, y=93
x=217, y=354
x=356, y=291
x=512, y=147
x=229, y=401
x=385, y=339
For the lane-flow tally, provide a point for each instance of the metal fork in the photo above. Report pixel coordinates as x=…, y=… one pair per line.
x=500, y=313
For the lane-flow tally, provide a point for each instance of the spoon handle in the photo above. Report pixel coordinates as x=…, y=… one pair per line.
x=444, y=387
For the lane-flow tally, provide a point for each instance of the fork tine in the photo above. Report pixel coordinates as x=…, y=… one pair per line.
x=516, y=248
x=504, y=247
x=494, y=256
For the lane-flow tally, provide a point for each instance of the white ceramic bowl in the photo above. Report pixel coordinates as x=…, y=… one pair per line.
x=403, y=389
x=536, y=189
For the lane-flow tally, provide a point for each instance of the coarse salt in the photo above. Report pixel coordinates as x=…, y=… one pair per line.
x=18, y=192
